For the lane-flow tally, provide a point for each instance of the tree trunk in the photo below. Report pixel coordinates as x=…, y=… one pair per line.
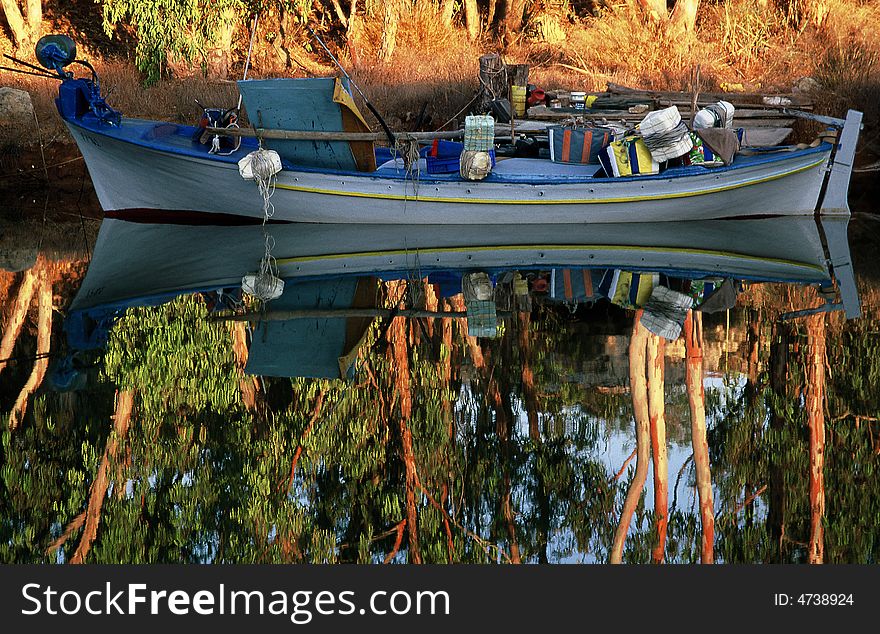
x=654, y=9
x=815, y=406
x=447, y=11
x=98, y=490
x=639, y=391
x=656, y=407
x=44, y=340
x=340, y=14
x=513, y=17
x=684, y=16
x=220, y=51
x=472, y=19
x=389, y=29
x=693, y=333
x=25, y=20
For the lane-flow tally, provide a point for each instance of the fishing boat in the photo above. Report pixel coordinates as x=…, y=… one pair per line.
x=330, y=171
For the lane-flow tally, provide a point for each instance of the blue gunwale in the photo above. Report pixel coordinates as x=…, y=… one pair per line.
x=177, y=139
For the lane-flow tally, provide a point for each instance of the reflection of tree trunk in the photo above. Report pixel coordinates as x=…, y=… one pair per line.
x=403, y=389
x=248, y=385
x=476, y=352
x=656, y=407
x=504, y=419
x=816, y=421
x=778, y=377
x=754, y=343
x=639, y=390
x=528, y=378
x=98, y=490
x=693, y=333
x=500, y=400
x=19, y=312
x=44, y=339
x=446, y=373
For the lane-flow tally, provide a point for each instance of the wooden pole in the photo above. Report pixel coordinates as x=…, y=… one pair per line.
x=693, y=341
x=493, y=80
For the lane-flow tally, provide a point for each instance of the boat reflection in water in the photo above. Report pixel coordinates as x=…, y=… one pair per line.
x=467, y=416
x=146, y=264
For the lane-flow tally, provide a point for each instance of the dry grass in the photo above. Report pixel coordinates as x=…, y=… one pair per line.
x=749, y=43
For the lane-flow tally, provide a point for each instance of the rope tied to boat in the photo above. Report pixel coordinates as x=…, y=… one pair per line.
x=262, y=166
x=407, y=148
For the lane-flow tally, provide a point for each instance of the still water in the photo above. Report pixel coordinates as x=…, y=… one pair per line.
x=390, y=406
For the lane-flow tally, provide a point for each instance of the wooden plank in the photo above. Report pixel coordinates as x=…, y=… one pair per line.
x=762, y=123
x=331, y=313
x=745, y=98
x=765, y=137
x=317, y=135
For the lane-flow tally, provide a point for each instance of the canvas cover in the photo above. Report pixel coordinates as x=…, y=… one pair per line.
x=313, y=104
x=312, y=347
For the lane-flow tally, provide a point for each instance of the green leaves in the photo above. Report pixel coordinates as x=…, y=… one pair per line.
x=171, y=30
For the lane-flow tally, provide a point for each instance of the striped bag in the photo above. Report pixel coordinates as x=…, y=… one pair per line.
x=575, y=285
x=631, y=290
x=628, y=157
x=578, y=145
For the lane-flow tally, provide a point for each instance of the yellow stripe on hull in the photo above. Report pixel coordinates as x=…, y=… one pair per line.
x=554, y=247
x=567, y=201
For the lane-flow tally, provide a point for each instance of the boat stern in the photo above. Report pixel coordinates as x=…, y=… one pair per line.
x=834, y=199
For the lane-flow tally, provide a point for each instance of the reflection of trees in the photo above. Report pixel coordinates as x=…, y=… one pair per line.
x=441, y=448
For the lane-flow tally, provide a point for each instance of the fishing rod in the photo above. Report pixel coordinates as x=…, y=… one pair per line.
x=375, y=112
x=247, y=62
x=28, y=72
x=40, y=69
